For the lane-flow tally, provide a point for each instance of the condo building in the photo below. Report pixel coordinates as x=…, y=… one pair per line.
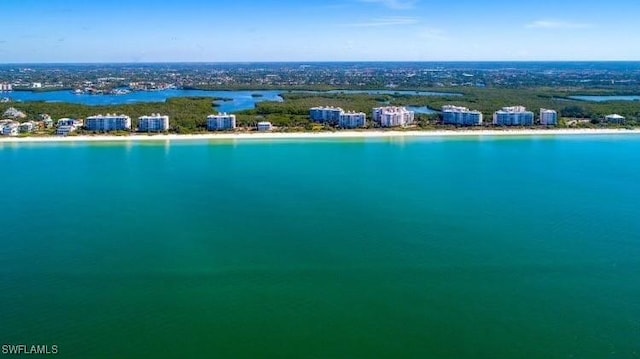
x=460, y=116
x=46, y=120
x=5, y=87
x=513, y=116
x=329, y=115
x=108, y=123
x=28, y=127
x=65, y=130
x=221, y=122
x=153, y=123
x=69, y=122
x=548, y=117
x=9, y=128
x=393, y=116
x=352, y=120
x=67, y=125
x=264, y=126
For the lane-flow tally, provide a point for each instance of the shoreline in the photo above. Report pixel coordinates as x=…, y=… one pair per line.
x=321, y=135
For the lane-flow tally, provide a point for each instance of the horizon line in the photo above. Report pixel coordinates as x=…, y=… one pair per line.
x=307, y=62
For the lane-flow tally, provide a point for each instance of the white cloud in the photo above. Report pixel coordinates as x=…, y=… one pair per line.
x=555, y=24
x=386, y=21
x=394, y=4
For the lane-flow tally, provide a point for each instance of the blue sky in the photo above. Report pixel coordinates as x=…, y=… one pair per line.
x=318, y=30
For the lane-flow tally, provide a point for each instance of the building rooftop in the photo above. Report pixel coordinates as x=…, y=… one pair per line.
x=221, y=114
x=513, y=109
x=451, y=108
x=153, y=115
x=108, y=116
x=389, y=109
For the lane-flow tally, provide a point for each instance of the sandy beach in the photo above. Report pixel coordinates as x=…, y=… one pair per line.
x=321, y=135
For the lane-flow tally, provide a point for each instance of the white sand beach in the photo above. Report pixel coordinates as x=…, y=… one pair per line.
x=321, y=135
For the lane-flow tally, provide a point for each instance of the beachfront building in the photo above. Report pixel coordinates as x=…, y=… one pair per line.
x=9, y=128
x=513, y=116
x=391, y=116
x=329, y=115
x=221, y=122
x=47, y=121
x=153, y=123
x=67, y=125
x=352, y=120
x=108, y=123
x=5, y=87
x=28, y=127
x=548, y=117
x=615, y=118
x=265, y=126
x=460, y=116
x=65, y=130
x=69, y=122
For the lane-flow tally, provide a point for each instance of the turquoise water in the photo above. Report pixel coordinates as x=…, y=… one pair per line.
x=398, y=248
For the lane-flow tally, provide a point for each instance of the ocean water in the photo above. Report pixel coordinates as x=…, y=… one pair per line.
x=397, y=248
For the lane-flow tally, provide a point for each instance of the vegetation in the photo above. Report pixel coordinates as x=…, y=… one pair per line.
x=188, y=115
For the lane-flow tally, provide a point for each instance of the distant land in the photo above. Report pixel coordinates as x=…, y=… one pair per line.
x=583, y=93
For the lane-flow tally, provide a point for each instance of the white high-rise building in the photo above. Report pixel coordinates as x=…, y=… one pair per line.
x=220, y=122
x=5, y=87
x=548, y=117
x=108, y=123
x=329, y=115
x=352, y=120
x=393, y=116
x=513, y=116
x=153, y=123
x=460, y=116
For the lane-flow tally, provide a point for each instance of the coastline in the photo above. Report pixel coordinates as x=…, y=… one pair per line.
x=322, y=135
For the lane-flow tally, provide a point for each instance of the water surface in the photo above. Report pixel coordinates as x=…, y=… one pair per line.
x=234, y=101
x=390, y=248
x=605, y=98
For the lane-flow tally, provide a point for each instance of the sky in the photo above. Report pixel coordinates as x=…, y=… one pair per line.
x=33, y=31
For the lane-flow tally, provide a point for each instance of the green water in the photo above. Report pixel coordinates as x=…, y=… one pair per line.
x=416, y=248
